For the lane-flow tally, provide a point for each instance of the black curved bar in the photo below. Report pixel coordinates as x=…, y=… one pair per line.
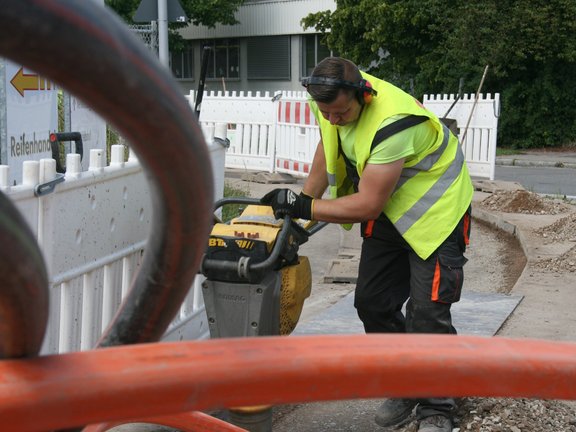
x=23, y=286
x=268, y=263
x=263, y=266
x=88, y=50
x=236, y=200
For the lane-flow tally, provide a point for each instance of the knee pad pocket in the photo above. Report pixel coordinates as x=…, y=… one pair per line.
x=448, y=279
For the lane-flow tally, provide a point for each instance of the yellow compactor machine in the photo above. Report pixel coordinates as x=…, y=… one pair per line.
x=256, y=282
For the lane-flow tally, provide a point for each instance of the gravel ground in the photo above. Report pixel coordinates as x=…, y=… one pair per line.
x=524, y=415
x=514, y=415
x=560, y=231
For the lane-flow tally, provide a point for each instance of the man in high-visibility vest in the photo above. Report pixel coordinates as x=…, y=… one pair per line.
x=392, y=166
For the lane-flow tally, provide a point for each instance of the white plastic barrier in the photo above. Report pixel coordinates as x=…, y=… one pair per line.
x=251, y=126
x=286, y=137
x=479, y=141
x=92, y=229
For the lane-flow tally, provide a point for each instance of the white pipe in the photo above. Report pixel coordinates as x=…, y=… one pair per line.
x=163, y=32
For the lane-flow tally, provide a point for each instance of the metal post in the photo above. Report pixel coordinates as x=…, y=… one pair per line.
x=66, y=101
x=201, y=81
x=163, y=32
x=3, y=115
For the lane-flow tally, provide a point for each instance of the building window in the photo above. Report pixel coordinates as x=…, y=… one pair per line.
x=313, y=51
x=269, y=58
x=225, y=59
x=182, y=63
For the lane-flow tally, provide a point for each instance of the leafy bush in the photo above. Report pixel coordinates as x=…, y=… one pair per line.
x=528, y=44
x=233, y=210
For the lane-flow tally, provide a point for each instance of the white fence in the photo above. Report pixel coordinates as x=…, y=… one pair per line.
x=479, y=139
x=279, y=134
x=252, y=127
x=92, y=230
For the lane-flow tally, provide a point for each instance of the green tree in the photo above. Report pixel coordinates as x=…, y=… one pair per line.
x=199, y=12
x=528, y=44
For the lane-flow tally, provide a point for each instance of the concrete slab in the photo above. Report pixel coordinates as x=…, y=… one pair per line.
x=476, y=314
x=342, y=271
x=349, y=253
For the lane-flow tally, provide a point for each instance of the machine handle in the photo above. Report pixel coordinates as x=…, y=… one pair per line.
x=255, y=201
x=243, y=265
x=58, y=137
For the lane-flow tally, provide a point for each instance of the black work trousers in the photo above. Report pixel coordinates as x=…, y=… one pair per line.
x=391, y=273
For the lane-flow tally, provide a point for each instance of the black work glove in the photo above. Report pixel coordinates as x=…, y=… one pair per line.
x=286, y=202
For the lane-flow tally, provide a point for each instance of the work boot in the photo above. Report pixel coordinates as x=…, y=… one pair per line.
x=394, y=411
x=435, y=423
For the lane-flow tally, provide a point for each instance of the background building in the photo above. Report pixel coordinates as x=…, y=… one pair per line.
x=267, y=51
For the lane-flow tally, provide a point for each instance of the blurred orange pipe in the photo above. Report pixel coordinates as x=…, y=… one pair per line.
x=187, y=422
x=124, y=383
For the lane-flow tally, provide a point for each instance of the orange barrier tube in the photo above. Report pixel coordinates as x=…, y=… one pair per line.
x=123, y=383
x=187, y=422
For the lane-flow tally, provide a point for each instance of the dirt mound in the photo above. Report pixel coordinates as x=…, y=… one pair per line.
x=561, y=230
x=523, y=201
x=563, y=263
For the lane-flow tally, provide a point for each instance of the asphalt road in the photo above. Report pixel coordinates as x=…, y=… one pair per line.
x=543, y=180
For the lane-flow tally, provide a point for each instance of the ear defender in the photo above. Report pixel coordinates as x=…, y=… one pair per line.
x=364, y=90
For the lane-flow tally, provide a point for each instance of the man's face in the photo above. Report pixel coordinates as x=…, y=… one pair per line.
x=342, y=111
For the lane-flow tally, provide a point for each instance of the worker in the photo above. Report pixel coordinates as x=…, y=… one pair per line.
x=392, y=166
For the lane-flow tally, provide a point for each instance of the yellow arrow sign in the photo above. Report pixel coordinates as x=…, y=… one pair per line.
x=23, y=81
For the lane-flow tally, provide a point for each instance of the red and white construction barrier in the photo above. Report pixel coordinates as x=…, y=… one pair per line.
x=297, y=136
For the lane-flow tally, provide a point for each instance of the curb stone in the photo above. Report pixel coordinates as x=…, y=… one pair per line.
x=530, y=163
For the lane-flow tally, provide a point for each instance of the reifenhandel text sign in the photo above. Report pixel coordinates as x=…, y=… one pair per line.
x=30, y=113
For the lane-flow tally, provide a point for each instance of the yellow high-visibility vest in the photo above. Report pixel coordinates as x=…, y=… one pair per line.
x=434, y=190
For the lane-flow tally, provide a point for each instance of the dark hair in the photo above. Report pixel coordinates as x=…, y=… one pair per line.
x=334, y=68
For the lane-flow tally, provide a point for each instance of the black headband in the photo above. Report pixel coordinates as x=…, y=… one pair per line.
x=320, y=80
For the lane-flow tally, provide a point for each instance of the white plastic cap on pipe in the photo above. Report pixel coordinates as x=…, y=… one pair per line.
x=208, y=131
x=97, y=162
x=221, y=130
x=47, y=170
x=73, y=165
x=4, y=176
x=30, y=173
x=117, y=155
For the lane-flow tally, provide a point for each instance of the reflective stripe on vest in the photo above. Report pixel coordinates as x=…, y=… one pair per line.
x=331, y=179
x=426, y=163
x=432, y=195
